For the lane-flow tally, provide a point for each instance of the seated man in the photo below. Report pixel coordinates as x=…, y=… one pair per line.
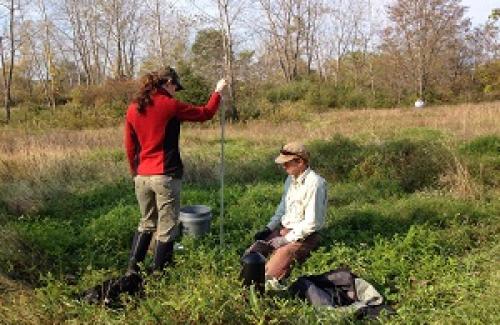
x=292, y=232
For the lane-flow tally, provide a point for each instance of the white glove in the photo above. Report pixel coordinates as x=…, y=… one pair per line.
x=221, y=84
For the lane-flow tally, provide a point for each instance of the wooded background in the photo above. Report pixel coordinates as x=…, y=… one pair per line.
x=324, y=53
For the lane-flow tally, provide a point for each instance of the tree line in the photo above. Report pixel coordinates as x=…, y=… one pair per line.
x=334, y=53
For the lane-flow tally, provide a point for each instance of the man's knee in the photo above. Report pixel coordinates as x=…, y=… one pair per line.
x=279, y=265
x=288, y=251
x=291, y=253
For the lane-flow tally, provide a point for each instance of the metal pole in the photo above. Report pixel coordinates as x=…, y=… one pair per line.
x=222, y=120
x=221, y=221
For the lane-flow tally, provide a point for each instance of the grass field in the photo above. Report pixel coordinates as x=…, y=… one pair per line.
x=413, y=207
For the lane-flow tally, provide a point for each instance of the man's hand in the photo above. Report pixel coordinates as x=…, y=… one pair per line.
x=221, y=84
x=262, y=235
x=277, y=242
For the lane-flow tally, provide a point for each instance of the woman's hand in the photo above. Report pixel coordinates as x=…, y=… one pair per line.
x=221, y=84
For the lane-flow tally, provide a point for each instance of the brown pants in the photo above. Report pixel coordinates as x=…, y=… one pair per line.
x=282, y=259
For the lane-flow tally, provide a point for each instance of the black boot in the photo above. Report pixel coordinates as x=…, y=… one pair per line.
x=140, y=246
x=164, y=254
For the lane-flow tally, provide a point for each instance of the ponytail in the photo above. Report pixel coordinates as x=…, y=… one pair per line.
x=150, y=83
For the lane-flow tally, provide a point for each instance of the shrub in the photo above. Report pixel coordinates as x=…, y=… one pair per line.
x=332, y=96
x=113, y=93
x=381, y=100
x=71, y=116
x=488, y=76
x=413, y=164
x=285, y=111
x=354, y=98
x=486, y=170
x=292, y=91
x=483, y=159
x=324, y=95
x=416, y=164
x=484, y=145
x=290, y=111
x=253, y=108
x=336, y=158
x=84, y=95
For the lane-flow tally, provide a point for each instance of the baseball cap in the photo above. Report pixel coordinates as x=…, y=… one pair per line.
x=292, y=151
x=171, y=74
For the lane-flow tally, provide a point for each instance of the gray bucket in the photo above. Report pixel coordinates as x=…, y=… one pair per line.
x=195, y=220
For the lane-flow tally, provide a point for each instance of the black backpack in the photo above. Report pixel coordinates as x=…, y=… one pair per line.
x=108, y=292
x=337, y=288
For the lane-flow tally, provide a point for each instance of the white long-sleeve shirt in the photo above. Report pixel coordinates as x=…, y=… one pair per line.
x=303, y=206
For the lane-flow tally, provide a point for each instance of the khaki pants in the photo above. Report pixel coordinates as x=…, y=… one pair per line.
x=282, y=259
x=159, y=201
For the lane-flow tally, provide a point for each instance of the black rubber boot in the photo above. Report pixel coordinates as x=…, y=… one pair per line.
x=164, y=254
x=140, y=246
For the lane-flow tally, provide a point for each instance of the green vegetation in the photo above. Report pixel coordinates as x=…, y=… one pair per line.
x=432, y=252
x=484, y=162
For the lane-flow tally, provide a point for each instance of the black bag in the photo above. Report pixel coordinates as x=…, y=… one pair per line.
x=108, y=292
x=334, y=288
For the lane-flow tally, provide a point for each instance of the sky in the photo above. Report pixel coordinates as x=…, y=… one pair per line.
x=479, y=10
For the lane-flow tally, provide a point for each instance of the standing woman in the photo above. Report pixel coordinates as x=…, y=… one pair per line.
x=152, y=130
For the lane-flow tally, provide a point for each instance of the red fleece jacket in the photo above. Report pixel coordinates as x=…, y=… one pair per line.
x=152, y=137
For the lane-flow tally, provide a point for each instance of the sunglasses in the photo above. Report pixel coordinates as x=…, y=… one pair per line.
x=289, y=153
x=174, y=83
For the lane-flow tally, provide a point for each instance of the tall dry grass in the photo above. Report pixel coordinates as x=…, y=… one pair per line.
x=38, y=165
x=461, y=121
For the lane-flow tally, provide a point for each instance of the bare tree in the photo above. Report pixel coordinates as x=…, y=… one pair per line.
x=50, y=75
x=229, y=13
x=313, y=19
x=350, y=30
x=7, y=72
x=284, y=21
x=227, y=43
x=78, y=18
x=483, y=41
x=422, y=33
x=25, y=65
x=120, y=21
x=165, y=34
